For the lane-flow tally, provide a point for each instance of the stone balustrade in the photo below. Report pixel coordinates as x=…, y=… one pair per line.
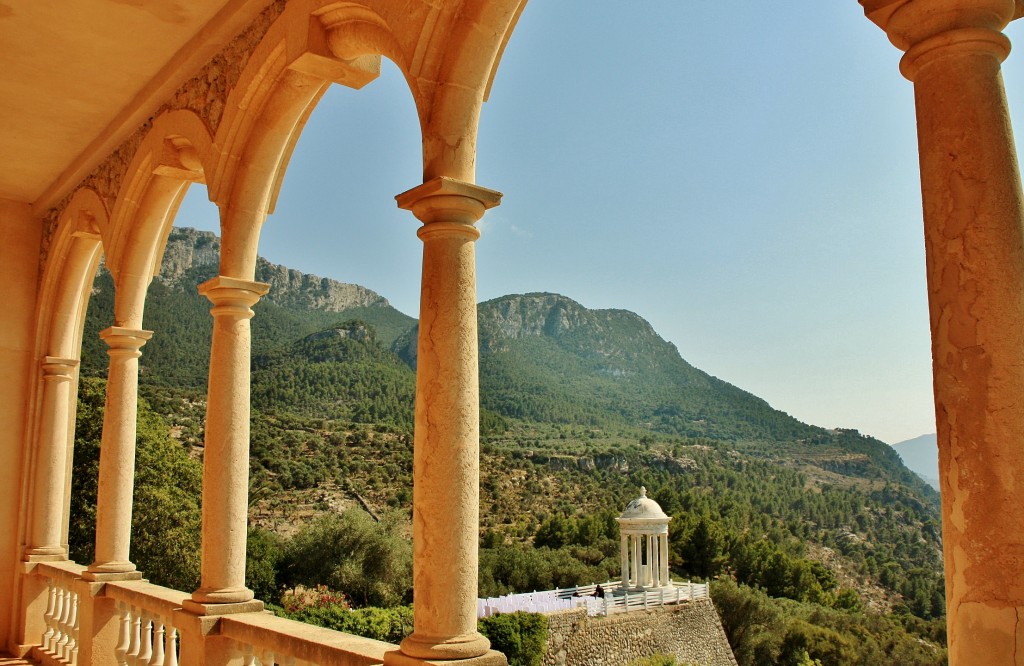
x=265, y=640
x=147, y=634
x=59, y=642
x=136, y=623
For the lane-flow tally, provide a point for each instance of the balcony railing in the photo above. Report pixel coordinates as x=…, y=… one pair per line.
x=153, y=629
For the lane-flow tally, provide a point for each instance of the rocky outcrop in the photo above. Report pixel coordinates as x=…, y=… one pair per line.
x=189, y=249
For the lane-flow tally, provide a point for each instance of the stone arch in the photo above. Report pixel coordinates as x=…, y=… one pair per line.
x=67, y=276
x=313, y=43
x=450, y=130
x=285, y=76
x=176, y=152
x=74, y=254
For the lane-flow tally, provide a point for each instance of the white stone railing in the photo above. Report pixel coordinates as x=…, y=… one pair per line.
x=616, y=599
x=59, y=642
x=152, y=628
x=640, y=599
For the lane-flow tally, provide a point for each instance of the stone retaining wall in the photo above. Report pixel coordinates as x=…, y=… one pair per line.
x=691, y=631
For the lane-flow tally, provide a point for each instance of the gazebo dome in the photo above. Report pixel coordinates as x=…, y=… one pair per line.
x=643, y=530
x=643, y=508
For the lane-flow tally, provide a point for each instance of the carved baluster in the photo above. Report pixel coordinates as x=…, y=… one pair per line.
x=124, y=638
x=63, y=628
x=146, y=643
x=71, y=646
x=58, y=610
x=248, y=658
x=136, y=638
x=51, y=605
x=158, y=642
x=171, y=647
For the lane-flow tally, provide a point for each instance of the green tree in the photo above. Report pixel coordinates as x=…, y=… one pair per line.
x=370, y=562
x=520, y=636
x=166, y=515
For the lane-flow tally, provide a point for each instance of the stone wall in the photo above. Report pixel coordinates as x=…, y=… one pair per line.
x=691, y=631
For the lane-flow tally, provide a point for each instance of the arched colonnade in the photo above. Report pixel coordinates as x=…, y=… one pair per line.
x=238, y=145
x=233, y=126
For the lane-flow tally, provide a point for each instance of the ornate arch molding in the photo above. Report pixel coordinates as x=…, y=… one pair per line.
x=75, y=251
x=284, y=78
x=176, y=151
x=463, y=79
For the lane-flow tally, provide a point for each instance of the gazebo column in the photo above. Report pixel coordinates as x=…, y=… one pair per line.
x=635, y=578
x=657, y=560
x=974, y=237
x=226, y=451
x=446, y=452
x=46, y=533
x=117, y=452
x=666, y=578
x=652, y=562
x=624, y=558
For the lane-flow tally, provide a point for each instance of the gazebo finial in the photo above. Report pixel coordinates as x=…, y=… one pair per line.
x=643, y=491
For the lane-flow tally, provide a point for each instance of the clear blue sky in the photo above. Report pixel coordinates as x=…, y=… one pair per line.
x=744, y=176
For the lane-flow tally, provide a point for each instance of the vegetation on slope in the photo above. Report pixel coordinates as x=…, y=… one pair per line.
x=580, y=408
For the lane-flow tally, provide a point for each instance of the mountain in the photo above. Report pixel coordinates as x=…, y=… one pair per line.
x=297, y=305
x=921, y=455
x=545, y=358
x=321, y=347
x=342, y=372
x=580, y=407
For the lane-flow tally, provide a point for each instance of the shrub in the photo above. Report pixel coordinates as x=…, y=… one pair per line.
x=521, y=636
x=329, y=609
x=655, y=660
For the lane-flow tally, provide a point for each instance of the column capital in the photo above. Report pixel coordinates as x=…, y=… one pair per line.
x=927, y=28
x=449, y=202
x=59, y=368
x=119, y=338
x=233, y=295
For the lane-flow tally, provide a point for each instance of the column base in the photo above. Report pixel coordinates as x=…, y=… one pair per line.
x=489, y=658
x=46, y=554
x=211, y=609
x=222, y=595
x=461, y=647
x=108, y=576
x=115, y=566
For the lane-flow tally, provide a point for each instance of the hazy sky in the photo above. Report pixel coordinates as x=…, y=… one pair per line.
x=742, y=175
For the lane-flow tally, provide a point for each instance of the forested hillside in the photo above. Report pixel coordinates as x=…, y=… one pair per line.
x=579, y=409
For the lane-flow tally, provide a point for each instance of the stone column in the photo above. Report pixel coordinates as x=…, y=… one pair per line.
x=974, y=238
x=666, y=578
x=446, y=456
x=624, y=557
x=658, y=582
x=117, y=451
x=226, y=451
x=635, y=578
x=51, y=461
x=652, y=561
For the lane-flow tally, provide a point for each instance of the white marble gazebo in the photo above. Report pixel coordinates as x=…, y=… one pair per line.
x=643, y=527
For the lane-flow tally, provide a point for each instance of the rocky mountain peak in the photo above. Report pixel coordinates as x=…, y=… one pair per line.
x=186, y=249
x=190, y=249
